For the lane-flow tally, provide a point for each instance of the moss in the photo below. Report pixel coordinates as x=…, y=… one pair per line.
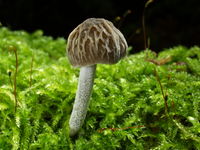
x=127, y=109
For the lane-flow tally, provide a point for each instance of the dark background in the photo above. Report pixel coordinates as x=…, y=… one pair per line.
x=168, y=22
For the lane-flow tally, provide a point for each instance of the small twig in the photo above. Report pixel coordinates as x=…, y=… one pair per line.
x=162, y=90
x=144, y=29
x=146, y=42
x=15, y=78
x=12, y=48
x=114, y=129
x=121, y=19
x=31, y=72
x=161, y=61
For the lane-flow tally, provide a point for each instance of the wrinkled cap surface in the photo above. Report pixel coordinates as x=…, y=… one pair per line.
x=94, y=41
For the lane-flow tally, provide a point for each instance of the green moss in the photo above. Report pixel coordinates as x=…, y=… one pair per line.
x=126, y=97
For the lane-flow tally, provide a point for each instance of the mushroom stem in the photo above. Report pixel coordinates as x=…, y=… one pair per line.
x=85, y=84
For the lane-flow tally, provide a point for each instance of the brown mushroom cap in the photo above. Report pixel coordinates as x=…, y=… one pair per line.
x=94, y=41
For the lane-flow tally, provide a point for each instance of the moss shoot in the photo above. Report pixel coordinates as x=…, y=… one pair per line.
x=139, y=103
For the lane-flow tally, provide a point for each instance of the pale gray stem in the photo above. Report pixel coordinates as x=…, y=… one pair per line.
x=85, y=84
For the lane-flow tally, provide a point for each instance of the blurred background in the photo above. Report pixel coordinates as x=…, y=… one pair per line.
x=168, y=22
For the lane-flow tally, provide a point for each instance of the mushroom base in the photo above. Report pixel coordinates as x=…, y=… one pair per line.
x=85, y=84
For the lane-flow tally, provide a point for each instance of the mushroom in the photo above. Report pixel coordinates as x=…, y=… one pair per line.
x=94, y=41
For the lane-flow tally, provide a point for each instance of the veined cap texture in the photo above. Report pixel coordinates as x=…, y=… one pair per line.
x=95, y=41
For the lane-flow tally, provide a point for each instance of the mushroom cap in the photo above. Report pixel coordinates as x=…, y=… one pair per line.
x=95, y=41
